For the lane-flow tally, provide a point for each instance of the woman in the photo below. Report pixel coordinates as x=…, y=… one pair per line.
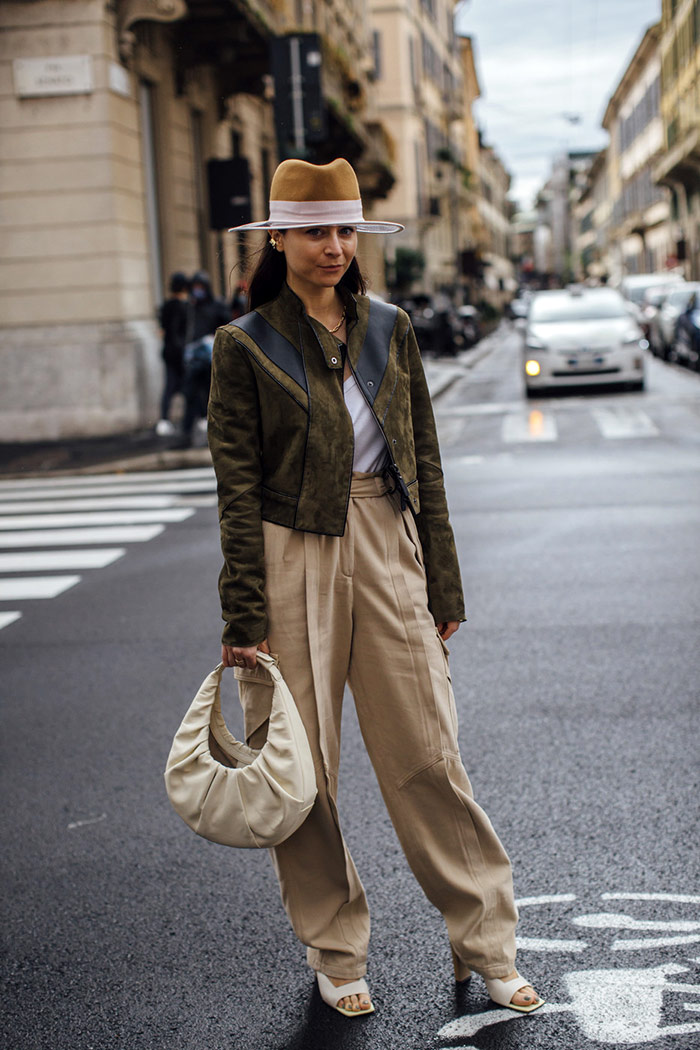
x=339, y=556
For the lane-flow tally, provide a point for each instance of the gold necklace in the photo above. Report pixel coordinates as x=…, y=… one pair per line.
x=339, y=324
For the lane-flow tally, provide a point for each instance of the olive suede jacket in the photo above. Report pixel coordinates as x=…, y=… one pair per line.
x=282, y=442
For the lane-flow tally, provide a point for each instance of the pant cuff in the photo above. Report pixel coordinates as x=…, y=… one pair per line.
x=336, y=964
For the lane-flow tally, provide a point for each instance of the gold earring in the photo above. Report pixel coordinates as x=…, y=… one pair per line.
x=273, y=242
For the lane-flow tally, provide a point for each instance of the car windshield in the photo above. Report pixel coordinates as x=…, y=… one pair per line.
x=586, y=307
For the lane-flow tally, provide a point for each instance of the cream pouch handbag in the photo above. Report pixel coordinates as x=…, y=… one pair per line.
x=231, y=793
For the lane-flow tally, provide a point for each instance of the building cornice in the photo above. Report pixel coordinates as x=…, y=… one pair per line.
x=644, y=53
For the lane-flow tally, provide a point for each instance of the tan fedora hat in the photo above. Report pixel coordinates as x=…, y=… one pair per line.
x=304, y=194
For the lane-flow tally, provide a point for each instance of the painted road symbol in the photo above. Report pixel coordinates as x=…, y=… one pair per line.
x=615, y=1006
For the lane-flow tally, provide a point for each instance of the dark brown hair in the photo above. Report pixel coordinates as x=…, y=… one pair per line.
x=270, y=274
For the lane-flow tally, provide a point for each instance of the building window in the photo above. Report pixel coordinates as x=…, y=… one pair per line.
x=150, y=171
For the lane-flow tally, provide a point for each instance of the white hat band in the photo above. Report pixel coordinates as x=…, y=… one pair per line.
x=316, y=213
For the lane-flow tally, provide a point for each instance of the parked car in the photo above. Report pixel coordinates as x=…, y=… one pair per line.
x=466, y=327
x=580, y=337
x=519, y=306
x=432, y=320
x=635, y=286
x=663, y=325
x=686, y=345
x=653, y=298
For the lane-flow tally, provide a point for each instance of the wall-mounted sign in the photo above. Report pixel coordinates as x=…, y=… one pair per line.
x=63, y=75
x=119, y=81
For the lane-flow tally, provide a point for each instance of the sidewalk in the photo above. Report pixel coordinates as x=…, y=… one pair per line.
x=143, y=450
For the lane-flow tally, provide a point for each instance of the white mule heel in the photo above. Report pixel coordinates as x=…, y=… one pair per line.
x=503, y=991
x=332, y=994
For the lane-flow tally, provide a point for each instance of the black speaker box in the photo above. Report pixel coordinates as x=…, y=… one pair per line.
x=229, y=193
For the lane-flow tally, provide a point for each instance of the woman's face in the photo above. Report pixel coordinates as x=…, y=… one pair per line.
x=318, y=256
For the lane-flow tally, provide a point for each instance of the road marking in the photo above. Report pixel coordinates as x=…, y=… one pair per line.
x=624, y=422
x=548, y=898
x=105, y=489
x=608, y=921
x=117, y=517
x=48, y=561
x=544, y=944
x=466, y=1027
x=6, y=618
x=676, y=898
x=482, y=408
x=653, y=942
x=174, y=479
x=39, y=506
x=84, y=823
x=529, y=426
x=79, y=537
x=31, y=587
x=464, y=461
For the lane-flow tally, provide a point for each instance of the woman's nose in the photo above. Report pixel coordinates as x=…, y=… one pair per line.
x=333, y=246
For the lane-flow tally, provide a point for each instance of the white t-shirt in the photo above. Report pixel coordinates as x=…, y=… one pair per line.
x=370, y=446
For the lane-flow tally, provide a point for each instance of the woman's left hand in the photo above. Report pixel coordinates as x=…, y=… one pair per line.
x=447, y=629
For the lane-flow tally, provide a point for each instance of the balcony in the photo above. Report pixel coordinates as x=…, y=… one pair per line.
x=233, y=37
x=681, y=163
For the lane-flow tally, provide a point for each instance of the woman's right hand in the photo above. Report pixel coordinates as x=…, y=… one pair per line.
x=243, y=656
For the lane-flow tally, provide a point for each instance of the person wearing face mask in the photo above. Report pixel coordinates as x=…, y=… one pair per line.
x=208, y=314
x=339, y=558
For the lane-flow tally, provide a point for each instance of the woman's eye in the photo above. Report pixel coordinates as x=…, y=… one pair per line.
x=346, y=231
x=314, y=231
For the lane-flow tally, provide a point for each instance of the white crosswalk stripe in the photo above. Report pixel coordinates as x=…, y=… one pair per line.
x=45, y=561
x=61, y=526
x=33, y=506
x=522, y=424
x=89, y=518
x=15, y=590
x=72, y=537
x=528, y=426
x=624, y=422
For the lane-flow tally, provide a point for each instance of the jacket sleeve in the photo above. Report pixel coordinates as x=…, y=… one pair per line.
x=234, y=440
x=437, y=539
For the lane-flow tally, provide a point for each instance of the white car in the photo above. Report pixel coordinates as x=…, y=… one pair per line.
x=581, y=337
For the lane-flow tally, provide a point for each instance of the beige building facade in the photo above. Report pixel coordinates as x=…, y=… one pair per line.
x=109, y=115
x=639, y=232
x=678, y=167
x=419, y=94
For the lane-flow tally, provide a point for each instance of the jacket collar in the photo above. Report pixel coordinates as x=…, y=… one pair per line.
x=290, y=303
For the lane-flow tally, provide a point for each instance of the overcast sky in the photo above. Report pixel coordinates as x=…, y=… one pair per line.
x=541, y=62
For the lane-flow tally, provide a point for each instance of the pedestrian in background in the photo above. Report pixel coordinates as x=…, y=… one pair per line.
x=340, y=558
x=208, y=314
x=175, y=317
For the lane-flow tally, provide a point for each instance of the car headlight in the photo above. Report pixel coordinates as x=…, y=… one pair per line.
x=532, y=368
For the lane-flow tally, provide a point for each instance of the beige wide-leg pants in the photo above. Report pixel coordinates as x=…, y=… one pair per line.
x=354, y=609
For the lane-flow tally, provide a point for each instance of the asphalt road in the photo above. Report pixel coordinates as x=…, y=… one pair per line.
x=576, y=676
